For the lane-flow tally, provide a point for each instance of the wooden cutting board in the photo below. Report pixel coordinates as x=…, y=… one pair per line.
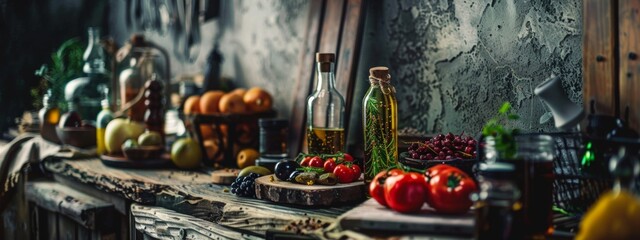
x=371, y=216
x=271, y=188
x=224, y=176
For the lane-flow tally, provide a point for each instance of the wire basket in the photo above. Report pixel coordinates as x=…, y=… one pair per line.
x=575, y=187
x=229, y=134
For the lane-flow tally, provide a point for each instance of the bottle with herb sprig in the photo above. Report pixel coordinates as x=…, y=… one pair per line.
x=380, y=116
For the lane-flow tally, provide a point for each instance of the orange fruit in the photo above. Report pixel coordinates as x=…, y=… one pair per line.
x=210, y=102
x=239, y=91
x=232, y=103
x=257, y=100
x=192, y=105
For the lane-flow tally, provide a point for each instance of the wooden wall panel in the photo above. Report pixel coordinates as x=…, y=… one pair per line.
x=305, y=77
x=599, y=55
x=348, y=55
x=629, y=38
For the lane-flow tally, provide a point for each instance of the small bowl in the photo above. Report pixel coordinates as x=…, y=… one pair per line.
x=81, y=137
x=142, y=152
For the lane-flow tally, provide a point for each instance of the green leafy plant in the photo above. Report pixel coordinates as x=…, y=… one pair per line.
x=66, y=64
x=504, y=137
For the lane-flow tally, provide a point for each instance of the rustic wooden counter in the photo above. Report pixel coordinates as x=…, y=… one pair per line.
x=189, y=193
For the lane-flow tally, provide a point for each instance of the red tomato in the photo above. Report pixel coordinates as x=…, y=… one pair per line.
x=305, y=162
x=405, y=193
x=376, y=187
x=344, y=173
x=449, y=191
x=348, y=158
x=329, y=165
x=435, y=170
x=316, y=162
x=356, y=172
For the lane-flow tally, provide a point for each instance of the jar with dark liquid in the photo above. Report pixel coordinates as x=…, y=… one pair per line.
x=534, y=176
x=273, y=137
x=496, y=202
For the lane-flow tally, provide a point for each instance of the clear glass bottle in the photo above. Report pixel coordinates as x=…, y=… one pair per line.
x=380, y=121
x=49, y=117
x=497, y=202
x=325, y=110
x=104, y=117
x=84, y=92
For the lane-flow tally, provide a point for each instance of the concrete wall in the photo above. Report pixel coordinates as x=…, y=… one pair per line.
x=454, y=62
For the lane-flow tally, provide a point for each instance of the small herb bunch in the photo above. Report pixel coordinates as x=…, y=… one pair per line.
x=66, y=64
x=504, y=137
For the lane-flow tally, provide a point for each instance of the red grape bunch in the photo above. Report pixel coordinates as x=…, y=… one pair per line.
x=444, y=147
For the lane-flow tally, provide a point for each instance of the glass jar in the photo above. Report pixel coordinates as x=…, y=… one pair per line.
x=532, y=156
x=496, y=202
x=380, y=121
x=273, y=137
x=325, y=110
x=145, y=60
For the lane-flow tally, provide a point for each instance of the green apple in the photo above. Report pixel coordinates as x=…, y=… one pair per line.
x=150, y=138
x=118, y=131
x=186, y=153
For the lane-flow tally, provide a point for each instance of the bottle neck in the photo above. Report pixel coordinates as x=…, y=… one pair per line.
x=326, y=76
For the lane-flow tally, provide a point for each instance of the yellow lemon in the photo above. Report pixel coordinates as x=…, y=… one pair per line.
x=616, y=215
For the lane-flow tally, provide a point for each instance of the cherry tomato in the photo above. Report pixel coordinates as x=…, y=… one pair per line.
x=344, y=173
x=356, y=172
x=376, y=187
x=329, y=165
x=348, y=158
x=405, y=193
x=305, y=162
x=316, y=162
x=449, y=191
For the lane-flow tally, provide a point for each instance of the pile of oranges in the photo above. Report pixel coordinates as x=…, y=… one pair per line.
x=238, y=101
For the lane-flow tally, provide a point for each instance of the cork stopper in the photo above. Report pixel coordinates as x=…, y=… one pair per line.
x=381, y=73
x=325, y=60
x=325, y=57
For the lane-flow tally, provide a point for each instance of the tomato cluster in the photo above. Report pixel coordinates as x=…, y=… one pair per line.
x=443, y=187
x=343, y=167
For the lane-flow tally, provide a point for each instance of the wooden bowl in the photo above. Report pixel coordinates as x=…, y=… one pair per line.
x=464, y=164
x=142, y=152
x=81, y=137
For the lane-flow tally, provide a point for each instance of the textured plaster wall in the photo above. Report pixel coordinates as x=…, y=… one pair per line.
x=260, y=42
x=454, y=62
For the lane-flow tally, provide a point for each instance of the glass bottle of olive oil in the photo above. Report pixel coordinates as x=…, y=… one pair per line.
x=380, y=121
x=325, y=110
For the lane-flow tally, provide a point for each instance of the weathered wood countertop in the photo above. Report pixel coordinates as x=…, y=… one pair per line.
x=190, y=193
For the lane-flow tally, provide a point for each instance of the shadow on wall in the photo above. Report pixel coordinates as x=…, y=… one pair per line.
x=29, y=32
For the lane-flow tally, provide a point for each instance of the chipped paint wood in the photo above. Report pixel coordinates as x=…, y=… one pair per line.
x=86, y=210
x=190, y=193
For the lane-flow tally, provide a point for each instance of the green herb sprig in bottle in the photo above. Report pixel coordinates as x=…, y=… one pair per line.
x=380, y=116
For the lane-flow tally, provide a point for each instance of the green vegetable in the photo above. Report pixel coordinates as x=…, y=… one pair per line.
x=66, y=64
x=504, y=137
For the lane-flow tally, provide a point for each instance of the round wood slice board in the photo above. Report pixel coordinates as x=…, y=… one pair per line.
x=224, y=176
x=122, y=162
x=271, y=188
